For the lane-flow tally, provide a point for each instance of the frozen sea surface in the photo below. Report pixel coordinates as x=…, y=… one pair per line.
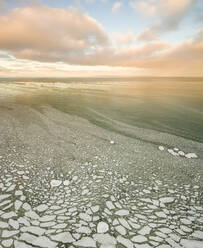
x=71, y=181
x=64, y=184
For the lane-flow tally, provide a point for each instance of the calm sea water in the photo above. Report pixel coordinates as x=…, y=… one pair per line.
x=171, y=105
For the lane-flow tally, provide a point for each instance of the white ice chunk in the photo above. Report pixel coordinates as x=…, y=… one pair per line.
x=181, y=153
x=7, y=242
x=34, y=230
x=145, y=230
x=85, y=242
x=95, y=209
x=172, y=152
x=105, y=239
x=11, y=188
x=44, y=242
x=121, y=230
x=9, y=215
x=27, y=237
x=26, y=206
x=139, y=239
x=161, y=214
x=60, y=226
x=110, y=205
x=41, y=208
x=32, y=215
x=13, y=223
x=166, y=200
x=124, y=223
x=24, y=221
x=55, y=183
x=191, y=155
x=85, y=217
x=85, y=191
x=64, y=237
x=20, y=172
x=66, y=182
x=186, y=221
x=102, y=227
x=2, y=197
x=75, y=178
x=84, y=229
x=3, y=224
x=161, y=148
x=198, y=234
x=47, y=218
x=122, y=212
x=19, y=192
x=8, y=234
x=48, y=224
x=18, y=244
x=126, y=242
x=191, y=243
x=165, y=230
x=17, y=204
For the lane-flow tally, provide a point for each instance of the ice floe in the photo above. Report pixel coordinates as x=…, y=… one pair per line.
x=86, y=242
x=177, y=152
x=73, y=215
x=55, y=183
x=161, y=148
x=102, y=227
x=191, y=155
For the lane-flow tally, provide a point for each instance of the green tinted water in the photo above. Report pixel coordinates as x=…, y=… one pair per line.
x=171, y=105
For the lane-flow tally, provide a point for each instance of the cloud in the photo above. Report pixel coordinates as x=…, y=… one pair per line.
x=130, y=38
x=2, y=3
x=124, y=39
x=136, y=56
x=45, y=33
x=180, y=59
x=18, y=67
x=116, y=7
x=199, y=34
x=162, y=8
x=51, y=35
x=183, y=59
x=154, y=58
x=4, y=55
x=168, y=13
x=146, y=35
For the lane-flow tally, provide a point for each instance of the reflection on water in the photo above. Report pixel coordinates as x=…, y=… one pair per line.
x=172, y=105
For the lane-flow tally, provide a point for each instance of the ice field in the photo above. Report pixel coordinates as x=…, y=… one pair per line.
x=75, y=174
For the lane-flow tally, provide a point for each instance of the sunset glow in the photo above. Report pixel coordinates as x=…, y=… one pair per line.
x=101, y=38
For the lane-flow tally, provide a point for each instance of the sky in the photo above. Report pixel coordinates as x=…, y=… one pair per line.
x=70, y=38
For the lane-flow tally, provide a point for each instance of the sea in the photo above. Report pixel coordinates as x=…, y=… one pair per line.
x=169, y=105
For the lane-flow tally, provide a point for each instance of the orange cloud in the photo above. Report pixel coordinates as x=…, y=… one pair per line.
x=45, y=34
x=41, y=32
x=124, y=39
x=146, y=35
